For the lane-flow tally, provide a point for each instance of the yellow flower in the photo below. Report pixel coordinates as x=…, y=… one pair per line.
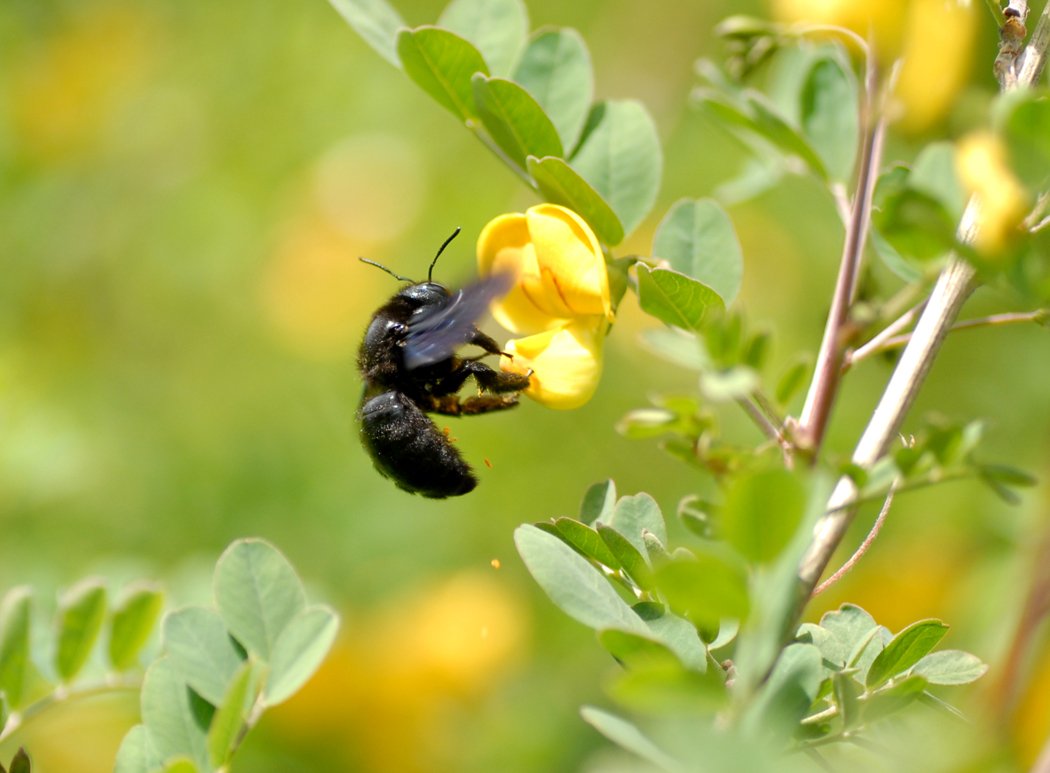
x=559, y=302
x=984, y=172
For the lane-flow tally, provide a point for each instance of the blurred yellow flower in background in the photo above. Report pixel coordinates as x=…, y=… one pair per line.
x=984, y=172
x=933, y=38
x=386, y=693
x=560, y=300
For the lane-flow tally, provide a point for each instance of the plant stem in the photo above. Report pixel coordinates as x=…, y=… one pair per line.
x=888, y=343
x=952, y=289
x=843, y=570
x=826, y=376
x=65, y=695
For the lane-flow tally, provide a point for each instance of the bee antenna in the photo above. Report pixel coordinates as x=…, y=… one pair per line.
x=444, y=244
x=387, y=270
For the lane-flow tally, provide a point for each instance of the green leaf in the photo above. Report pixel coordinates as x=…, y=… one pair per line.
x=598, y=501
x=198, y=645
x=561, y=184
x=905, y=650
x=620, y=156
x=376, y=22
x=892, y=699
x=572, y=583
x=138, y=753
x=629, y=557
x=892, y=259
x=629, y=737
x=916, y=224
x=696, y=238
x=635, y=514
x=586, y=540
x=514, y=119
x=257, y=592
x=299, y=652
x=497, y=28
x=20, y=762
x=705, y=588
x=754, y=114
x=934, y=173
x=762, y=512
x=231, y=713
x=646, y=423
x=15, y=613
x=677, y=633
x=442, y=64
x=556, y=69
x=722, y=385
x=675, y=298
x=631, y=648
x=787, y=695
x=950, y=667
x=829, y=115
x=847, y=626
x=177, y=719
x=134, y=617
x=81, y=613
x=1023, y=120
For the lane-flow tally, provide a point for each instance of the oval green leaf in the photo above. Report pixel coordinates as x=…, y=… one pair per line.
x=705, y=588
x=636, y=514
x=627, y=736
x=696, y=237
x=556, y=70
x=138, y=753
x=497, y=28
x=762, y=512
x=514, y=120
x=134, y=617
x=572, y=583
x=198, y=645
x=442, y=64
x=586, y=541
x=598, y=501
x=905, y=650
x=299, y=652
x=81, y=613
x=257, y=592
x=631, y=559
x=674, y=298
x=950, y=667
x=620, y=157
x=561, y=184
x=829, y=115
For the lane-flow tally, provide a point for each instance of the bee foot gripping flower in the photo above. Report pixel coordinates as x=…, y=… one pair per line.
x=559, y=303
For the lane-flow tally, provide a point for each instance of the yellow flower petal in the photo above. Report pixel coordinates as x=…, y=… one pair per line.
x=984, y=171
x=504, y=246
x=566, y=363
x=570, y=260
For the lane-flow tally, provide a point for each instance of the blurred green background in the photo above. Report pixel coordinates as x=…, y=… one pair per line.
x=185, y=187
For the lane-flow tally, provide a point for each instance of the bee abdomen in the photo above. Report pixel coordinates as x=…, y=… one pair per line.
x=408, y=448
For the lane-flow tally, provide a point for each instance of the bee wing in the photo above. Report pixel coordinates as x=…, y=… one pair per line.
x=436, y=333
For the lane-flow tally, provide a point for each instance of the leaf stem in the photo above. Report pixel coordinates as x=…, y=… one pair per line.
x=843, y=570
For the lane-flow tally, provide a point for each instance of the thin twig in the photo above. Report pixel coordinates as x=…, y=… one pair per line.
x=826, y=375
x=860, y=551
x=770, y=430
x=877, y=342
x=881, y=344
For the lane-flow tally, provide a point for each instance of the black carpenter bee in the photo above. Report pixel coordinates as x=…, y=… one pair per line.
x=408, y=362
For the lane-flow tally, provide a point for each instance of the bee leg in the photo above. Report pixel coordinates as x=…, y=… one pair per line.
x=486, y=342
x=492, y=380
x=453, y=405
